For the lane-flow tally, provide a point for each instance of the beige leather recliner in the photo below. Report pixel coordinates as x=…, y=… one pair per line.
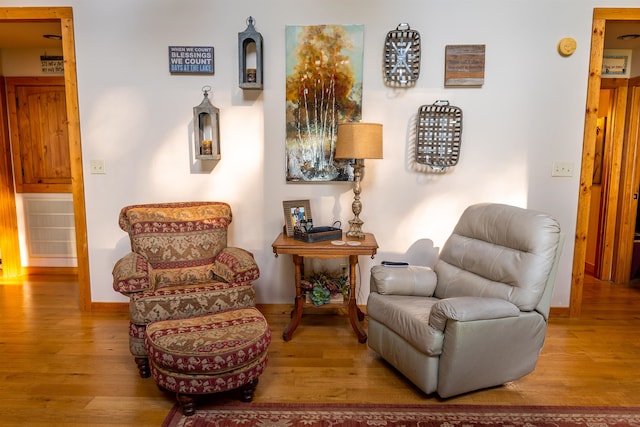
x=477, y=319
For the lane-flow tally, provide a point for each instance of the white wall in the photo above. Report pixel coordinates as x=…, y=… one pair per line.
x=137, y=117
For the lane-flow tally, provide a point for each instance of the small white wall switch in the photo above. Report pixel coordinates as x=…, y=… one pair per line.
x=562, y=169
x=97, y=167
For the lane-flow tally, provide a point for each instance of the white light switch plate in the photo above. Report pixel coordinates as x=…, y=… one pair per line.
x=562, y=169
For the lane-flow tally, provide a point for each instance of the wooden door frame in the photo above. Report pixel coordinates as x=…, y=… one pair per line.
x=9, y=242
x=600, y=18
x=64, y=15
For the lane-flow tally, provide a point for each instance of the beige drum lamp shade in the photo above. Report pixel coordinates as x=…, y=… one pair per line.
x=359, y=141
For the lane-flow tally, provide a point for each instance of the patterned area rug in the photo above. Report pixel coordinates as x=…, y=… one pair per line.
x=315, y=415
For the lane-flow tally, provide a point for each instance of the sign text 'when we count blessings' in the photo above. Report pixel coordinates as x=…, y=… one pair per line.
x=191, y=59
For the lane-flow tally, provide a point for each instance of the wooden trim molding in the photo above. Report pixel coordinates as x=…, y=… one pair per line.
x=51, y=271
x=75, y=152
x=110, y=307
x=123, y=307
x=9, y=242
x=559, y=312
x=586, y=171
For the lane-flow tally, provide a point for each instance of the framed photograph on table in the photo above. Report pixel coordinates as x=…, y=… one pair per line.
x=294, y=212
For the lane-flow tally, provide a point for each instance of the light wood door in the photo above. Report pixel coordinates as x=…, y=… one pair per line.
x=630, y=184
x=613, y=178
x=39, y=134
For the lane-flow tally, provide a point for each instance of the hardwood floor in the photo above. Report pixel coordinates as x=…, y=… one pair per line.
x=66, y=368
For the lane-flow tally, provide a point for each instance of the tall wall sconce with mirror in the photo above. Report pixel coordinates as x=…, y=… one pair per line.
x=206, y=129
x=250, y=57
x=358, y=141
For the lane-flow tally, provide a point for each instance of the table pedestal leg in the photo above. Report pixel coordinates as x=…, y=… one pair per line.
x=296, y=314
x=355, y=314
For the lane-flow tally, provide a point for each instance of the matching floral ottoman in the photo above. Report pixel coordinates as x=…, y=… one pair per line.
x=209, y=354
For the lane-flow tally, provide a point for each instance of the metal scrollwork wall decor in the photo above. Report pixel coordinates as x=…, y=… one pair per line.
x=438, y=135
x=402, y=57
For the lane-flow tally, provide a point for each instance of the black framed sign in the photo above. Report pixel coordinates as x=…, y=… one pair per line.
x=191, y=60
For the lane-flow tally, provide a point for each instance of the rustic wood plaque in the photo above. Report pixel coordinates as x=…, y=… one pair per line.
x=464, y=65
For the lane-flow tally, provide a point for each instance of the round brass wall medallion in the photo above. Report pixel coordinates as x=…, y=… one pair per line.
x=567, y=46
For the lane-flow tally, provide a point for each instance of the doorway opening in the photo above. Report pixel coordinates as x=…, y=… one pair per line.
x=9, y=244
x=620, y=170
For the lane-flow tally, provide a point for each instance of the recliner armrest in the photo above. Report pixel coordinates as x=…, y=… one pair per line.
x=410, y=280
x=465, y=309
x=131, y=274
x=235, y=265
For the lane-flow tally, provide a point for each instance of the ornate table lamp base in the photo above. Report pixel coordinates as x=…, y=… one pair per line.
x=355, y=225
x=355, y=228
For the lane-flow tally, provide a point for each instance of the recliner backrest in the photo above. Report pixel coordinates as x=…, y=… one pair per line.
x=499, y=251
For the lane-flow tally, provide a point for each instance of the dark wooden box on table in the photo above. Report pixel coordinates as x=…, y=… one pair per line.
x=317, y=234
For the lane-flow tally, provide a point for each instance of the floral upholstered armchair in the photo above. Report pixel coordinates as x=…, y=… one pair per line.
x=180, y=266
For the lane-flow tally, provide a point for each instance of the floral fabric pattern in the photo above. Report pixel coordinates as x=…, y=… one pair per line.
x=160, y=278
x=131, y=274
x=235, y=265
x=180, y=302
x=180, y=265
x=399, y=415
x=208, y=354
x=136, y=340
x=210, y=344
x=205, y=384
x=179, y=240
x=178, y=211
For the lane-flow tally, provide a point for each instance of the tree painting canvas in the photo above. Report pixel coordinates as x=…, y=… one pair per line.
x=324, y=88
